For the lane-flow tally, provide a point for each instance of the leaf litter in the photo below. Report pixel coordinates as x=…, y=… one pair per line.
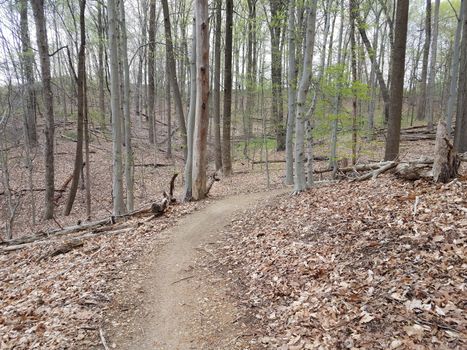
x=354, y=266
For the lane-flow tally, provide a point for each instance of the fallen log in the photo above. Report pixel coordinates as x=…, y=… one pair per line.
x=152, y=165
x=317, y=158
x=156, y=209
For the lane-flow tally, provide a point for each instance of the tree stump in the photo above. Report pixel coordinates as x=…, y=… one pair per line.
x=446, y=162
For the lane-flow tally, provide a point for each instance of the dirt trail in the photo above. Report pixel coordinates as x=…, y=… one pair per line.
x=181, y=306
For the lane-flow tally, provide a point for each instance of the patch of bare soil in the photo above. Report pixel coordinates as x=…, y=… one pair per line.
x=173, y=300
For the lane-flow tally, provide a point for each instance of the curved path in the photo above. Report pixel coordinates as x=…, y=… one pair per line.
x=182, y=306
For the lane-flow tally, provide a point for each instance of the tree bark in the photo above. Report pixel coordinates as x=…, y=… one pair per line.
x=304, y=85
x=80, y=79
x=426, y=53
x=226, y=156
x=117, y=182
x=217, y=87
x=454, y=71
x=202, y=101
x=372, y=55
x=275, y=28
x=397, y=85
x=460, y=138
x=173, y=74
x=292, y=82
x=27, y=60
x=151, y=72
x=446, y=162
x=129, y=169
x=431, y=80
x=42, y=43
x=187, y=191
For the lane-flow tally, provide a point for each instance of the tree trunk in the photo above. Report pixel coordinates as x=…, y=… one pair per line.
x=42, y=43
x=202, y=101
x=187, y=191
x=151, y=72
x=353, y=53
x=445, y=163
x=275, y=28
x=226, y=156
x=292, y=82
x=100, y=62
x=80, y=79
x=460, y=138
x=173, y=74
x=305, y=81
x=426, y=53
x=250, y=75
x=27, y=59
x=217, y=87
x=397, y=85
x=431, y=80
x=129, y=169
x=454, y=71
x=372, y=55
x=117, y=182
x=338, y=98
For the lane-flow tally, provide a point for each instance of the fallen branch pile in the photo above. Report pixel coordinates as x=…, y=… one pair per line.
x=111, y=225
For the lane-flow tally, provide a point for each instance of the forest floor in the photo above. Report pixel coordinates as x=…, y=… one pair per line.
x=369, y=265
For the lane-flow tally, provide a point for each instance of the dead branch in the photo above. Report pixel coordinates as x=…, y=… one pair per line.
x=213, y=178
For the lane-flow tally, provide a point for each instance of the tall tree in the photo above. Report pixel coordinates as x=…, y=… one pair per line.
x=291, y=101
x=431, y=80
x=371, y=51
x=126, y=110
x=217, y=87
x=27, y=60
x=251, y=61
x=304, y=85
x=397, y=85
x=117, y=182
x=426, y=54
x=173, y=73
x=460, y=136
x=187, y=190
x=80, y=80
x=226, y=156
x=150, y=71
x=275, y=28
x=202, y=101
x=454, y=71
x=43, y=45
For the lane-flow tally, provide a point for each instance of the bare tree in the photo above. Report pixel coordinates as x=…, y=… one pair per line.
x=292, y=94
x=151, y=72
x=217, y=87
x=187, y=191
x=117, y=182
x=43, y=45
x=426, y=53
x=431, y=79
x=460, y=135
x=454, y=71
x=202, y=101
x=80, y=80
x=304, y=85
x=226, y=156
x=27, y=60
x=397, y=85
x=173, y=73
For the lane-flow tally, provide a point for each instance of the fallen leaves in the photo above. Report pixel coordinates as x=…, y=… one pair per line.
x=352, y=266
